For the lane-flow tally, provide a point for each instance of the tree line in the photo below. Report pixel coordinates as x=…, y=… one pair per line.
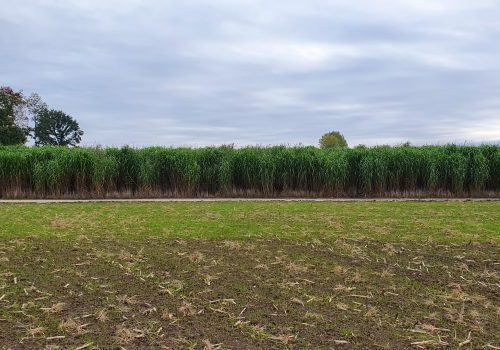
x=29, y=117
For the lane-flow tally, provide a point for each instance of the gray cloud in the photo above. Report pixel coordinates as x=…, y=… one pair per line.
x=205, y=72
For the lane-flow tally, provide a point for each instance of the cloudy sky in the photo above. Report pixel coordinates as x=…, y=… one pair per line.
x=209, y=72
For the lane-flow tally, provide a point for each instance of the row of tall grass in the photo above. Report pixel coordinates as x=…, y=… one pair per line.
x=451, y=170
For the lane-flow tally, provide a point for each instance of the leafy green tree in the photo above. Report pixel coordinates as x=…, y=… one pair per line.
x=56, y=128
x=13, y=128
x=332, y=139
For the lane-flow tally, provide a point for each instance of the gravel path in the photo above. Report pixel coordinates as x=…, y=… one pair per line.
x=139, y=200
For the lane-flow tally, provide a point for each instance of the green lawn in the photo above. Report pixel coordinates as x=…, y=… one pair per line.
x=252, y=275
x=449, y=221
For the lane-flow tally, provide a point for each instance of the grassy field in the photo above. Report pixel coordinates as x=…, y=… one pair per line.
x=250, y=275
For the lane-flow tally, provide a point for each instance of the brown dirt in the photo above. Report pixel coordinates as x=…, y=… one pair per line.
x=158, y=293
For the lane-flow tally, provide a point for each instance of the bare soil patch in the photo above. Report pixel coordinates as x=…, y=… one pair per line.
x=159, y=293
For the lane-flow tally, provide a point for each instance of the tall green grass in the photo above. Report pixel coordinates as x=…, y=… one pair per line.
x=46, y=172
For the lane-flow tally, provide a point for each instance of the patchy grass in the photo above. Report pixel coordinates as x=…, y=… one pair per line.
x=445, y=222
x=250, y=275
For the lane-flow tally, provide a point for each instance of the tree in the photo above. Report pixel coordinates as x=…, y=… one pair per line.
x=56, y=128
x=332, y=139
x=13, y=125
x=35, y=107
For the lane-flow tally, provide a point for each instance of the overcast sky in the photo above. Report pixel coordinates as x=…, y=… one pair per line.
x=209, y=72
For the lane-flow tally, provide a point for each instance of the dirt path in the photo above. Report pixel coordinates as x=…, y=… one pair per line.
x=144, y=200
